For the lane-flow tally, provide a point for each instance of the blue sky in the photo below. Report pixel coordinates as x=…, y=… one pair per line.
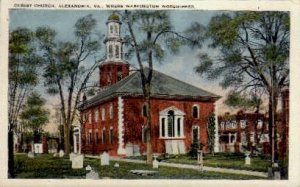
x=179, y=66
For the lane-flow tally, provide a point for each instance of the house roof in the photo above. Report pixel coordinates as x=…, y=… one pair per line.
x=162, y=85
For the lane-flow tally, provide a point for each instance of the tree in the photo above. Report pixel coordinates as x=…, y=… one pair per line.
x=253, y=54
x=34, y=115
x=67, y=70
x=149, y=33
x=23, y=66
x=211, y=131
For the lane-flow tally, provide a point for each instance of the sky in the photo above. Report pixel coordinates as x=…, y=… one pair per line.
x=180, y=66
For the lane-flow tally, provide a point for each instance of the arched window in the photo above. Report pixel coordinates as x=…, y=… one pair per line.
x=96, y=137
x=110, y=51
x=103, y=113
x=117, y=51
x=111, y=135
x=116, y=29
x=171, y=123
x=96, y=117
x=111, y=111
x=195, y=111
x=103, y=136
x=111, y=29
x=163, y=134
x=144, y=110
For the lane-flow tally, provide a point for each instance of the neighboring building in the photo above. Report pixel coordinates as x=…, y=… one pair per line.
x=243, y=131
x=115, y=118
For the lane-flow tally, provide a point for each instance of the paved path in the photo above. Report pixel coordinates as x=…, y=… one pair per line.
x=188, y=166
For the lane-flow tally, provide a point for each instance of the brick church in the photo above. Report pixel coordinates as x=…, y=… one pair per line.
x=113, y=120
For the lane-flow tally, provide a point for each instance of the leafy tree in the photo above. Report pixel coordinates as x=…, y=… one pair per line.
x=34, y=115
x=23, y=67
x=211, y=131
x=67, y=72
x=253, y=54
x=149, y=33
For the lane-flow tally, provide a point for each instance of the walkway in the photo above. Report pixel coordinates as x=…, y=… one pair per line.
x=188, y=166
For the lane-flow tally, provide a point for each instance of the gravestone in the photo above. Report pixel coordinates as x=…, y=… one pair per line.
x=72, y=155
x=277, y=175
x=88, y=168
x=61, y=153
x=30, y=154
x=181, y=147
x=77, y=162
x=200, y=159
x=55, y=155
x=168, y=147
x=129, y=149
x=116, y=165
x=174, y=147
x=104, y=159
x=155, y=162
x=248, y=159
x=136, y=150
x=92, y=175
x=38, y=148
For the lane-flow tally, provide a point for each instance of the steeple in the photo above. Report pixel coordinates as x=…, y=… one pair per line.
x=113, y=68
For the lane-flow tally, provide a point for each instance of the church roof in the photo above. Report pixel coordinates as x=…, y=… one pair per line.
x=162, y=86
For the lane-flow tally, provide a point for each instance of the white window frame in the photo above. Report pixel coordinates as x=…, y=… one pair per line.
x=178, y=114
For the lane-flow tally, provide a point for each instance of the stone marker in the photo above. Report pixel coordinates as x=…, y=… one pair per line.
x=174, y=147
x=30, y=154
x=72, y=155
x=55, y=154
x=116, y=165
x=92, y=175
x=104, y=159
x=277, y=175
x=136, y=150
x=200, y=159
x=129, y=149
x=248, y=159
x=61, y=153
x=181, y=147
x=155, y=162
x=77, y=162
x=88, y=168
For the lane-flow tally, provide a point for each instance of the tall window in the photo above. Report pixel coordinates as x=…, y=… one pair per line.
x=144, y=110
x=103, y=136
x=195, y=134
x=96, y=137
x=116, y=29
x=171, y=123
x=163, y=134
x=111, y=111
x=110, y=135
x=195, y=111
x=117, y=51
x=111, y=29
x=96, y=117
x=110, y=51
x=178, y=127
x=103, y=113
x=90, y=117
x=144, y=135
x=90, y=137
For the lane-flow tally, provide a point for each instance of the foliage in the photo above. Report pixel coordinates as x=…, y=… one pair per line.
x=34, y=115
x=211, y=129
x=193, y=152
x=236, y=100
x=67, y=70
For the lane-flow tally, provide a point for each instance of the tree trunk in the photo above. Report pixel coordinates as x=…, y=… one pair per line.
x=67, y=138
x=11, y=173
x=148, y=125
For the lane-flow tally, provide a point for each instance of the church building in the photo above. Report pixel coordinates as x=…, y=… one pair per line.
x=114, y=119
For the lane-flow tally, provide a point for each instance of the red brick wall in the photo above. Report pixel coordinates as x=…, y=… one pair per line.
x=134, y=121
x=112, y=69
x=107, y=123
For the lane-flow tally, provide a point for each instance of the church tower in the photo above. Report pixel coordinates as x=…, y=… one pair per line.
x=113, y=68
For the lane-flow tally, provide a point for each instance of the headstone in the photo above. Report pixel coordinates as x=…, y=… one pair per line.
x=61, y=153
x=248, y=159
x=92, y=175
x=72, y=155
x=136, y=150
x=181, y=146
x=270, y=173
x=129, y=149
x=88, y=168
x=168, y=147
x=155, y=162
x=77, y=162
x=104, y=159
x=116, y=165
x=38, y=148
x=200, y=159
x=174, y=147
x=277, y=175
x=55, y=154
x=30, y=154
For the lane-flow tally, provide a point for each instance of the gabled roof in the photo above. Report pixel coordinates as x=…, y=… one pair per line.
x=162, y=86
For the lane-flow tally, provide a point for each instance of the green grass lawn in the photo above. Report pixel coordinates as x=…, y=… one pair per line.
x=47, y=166
x=223, y=160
